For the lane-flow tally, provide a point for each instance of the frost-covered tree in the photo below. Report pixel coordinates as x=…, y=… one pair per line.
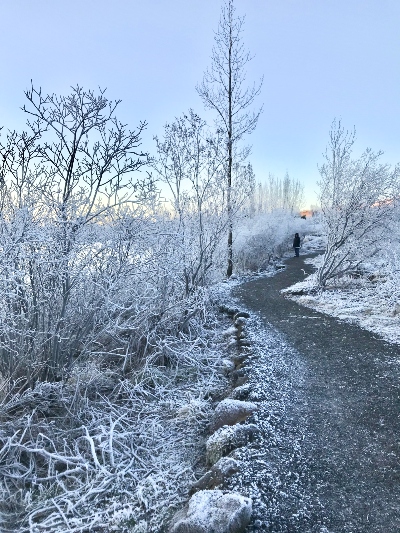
x=276, y=193
x=223, y=90
x=357, y=197
x=63, y=184
x=190, y=162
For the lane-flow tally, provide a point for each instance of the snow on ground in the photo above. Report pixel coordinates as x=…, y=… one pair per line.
x=312, y=243
x=367, y=301
x=272, y=467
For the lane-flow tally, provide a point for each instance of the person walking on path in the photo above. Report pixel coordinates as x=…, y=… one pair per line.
x=334, y=462
x=296, y=244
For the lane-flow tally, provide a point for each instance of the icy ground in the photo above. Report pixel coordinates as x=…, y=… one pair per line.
x=369, y=300
x=327, y=457
x=272, y=467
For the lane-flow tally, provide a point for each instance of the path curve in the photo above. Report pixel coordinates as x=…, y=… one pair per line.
x=350, y=403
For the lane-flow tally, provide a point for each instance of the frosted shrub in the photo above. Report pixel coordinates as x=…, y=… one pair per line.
x=389, y=286
x=123, y=297
x=265, y=236
x=357, y=198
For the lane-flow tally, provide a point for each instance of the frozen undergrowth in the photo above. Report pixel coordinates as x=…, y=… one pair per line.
x=370, y=299
x=106, y=452
x=102, y=453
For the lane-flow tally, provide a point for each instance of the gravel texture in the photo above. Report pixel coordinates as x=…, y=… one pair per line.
x=328, y=458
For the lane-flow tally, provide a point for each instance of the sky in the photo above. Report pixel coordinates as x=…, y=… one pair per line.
x=320, y=59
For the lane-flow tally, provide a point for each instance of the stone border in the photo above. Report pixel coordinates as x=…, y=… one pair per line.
x=209, y=508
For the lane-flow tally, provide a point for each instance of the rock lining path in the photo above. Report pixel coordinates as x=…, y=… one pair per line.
x=345, y=402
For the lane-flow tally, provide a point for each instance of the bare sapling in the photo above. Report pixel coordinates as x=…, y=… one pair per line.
x=357, y=199
x=223, y=91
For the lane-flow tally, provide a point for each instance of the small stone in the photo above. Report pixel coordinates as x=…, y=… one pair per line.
x=241, y=393
x=240, y=322
x=226, y=439
x=224, y=468
x=243, y=343
x=241, y=380
x=220, y=444
x=230, y=311
x=230, y=412
x=239, y=359
x=227, y=366
x=213, y=511
x=239, y=376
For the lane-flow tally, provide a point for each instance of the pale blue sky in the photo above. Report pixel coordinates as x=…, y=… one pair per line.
x=320, y=59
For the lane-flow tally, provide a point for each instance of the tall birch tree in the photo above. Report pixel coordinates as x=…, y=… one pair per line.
x=224, y=90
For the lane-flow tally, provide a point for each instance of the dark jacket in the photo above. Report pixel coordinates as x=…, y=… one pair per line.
x=296, y=242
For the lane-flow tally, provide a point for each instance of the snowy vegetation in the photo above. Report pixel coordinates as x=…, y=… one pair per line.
x=358, y=199
x=358, y=277
x=111, y=344
x=368, y=297
x=103, y=451
x=111, y=352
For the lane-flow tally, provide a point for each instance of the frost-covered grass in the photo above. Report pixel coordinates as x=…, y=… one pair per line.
x=369, y=297
x=107, y=452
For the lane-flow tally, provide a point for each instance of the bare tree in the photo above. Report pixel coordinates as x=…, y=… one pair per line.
x=189, y=162
x=276, y=193
x=357, y=197
x=223, y=91
x=59, y=184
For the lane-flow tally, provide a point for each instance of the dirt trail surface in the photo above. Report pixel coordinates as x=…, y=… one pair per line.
x=330, y=454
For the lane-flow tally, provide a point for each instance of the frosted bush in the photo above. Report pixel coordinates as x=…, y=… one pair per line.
x=265, y=236
x=389, y=288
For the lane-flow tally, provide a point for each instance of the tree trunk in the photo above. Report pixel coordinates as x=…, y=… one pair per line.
x=229, y=176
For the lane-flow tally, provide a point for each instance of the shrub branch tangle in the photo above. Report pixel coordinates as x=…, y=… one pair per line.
x=222, y=90
x=190, y=161
x=60, y=185
x=357, y=198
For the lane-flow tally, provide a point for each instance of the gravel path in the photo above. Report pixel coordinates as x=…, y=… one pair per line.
x=333, y=458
